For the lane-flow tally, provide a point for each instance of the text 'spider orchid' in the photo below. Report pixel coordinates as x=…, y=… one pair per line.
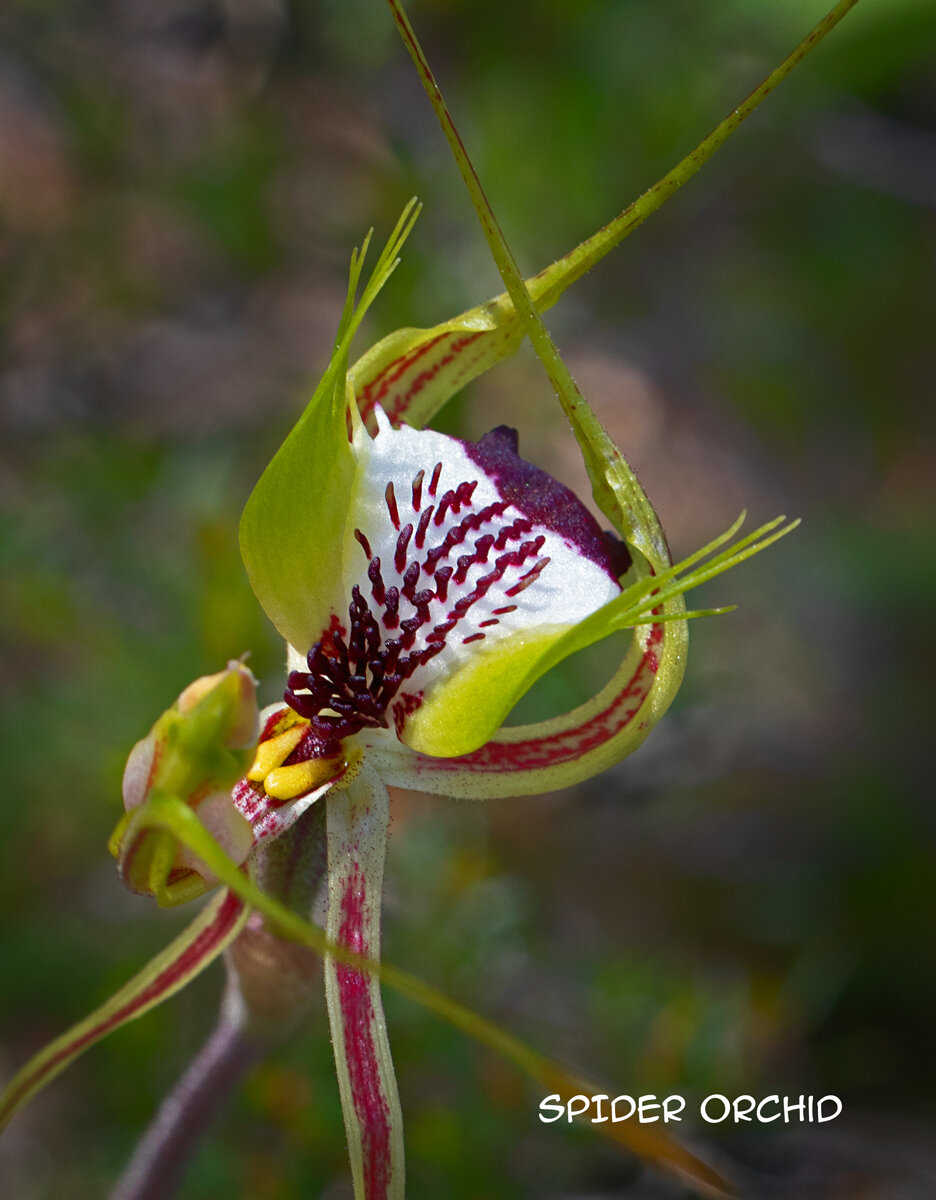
x=422, y=584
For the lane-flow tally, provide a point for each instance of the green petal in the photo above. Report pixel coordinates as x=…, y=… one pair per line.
x=466, y=711
x=463, y=712
x=527, y=760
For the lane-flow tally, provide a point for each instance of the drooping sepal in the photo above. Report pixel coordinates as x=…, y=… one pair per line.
x=175, y=817
x=211, y=931
x=357, y=840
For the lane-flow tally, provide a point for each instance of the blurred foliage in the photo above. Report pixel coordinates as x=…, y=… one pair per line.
x=747, y=904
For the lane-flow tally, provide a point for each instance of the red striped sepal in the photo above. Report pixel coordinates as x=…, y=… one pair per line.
x=526, y=760
x=213, y=929
x=357, y=841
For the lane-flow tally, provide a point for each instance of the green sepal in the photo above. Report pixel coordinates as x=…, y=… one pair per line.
x=292, y=529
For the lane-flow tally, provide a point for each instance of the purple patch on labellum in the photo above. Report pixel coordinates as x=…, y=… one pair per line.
x=543, y=499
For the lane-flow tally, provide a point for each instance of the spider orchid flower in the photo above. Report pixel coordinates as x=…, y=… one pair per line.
x=422, y=585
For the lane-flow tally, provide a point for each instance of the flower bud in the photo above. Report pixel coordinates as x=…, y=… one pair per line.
x=197, y=750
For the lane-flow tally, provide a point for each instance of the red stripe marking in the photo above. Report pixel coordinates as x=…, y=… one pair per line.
x=373, y=393
x=570, y=743
x=465, y=371
x=357, y=1014
x=379, y=388
x=416, y=385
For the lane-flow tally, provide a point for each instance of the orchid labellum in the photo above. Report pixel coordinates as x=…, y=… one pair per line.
x=422, y=585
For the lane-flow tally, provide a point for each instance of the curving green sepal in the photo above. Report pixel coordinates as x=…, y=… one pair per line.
x=292, y=529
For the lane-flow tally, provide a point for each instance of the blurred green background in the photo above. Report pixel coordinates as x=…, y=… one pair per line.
x=747, y=905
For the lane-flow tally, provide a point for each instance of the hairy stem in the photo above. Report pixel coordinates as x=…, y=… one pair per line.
x=162, y=1156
